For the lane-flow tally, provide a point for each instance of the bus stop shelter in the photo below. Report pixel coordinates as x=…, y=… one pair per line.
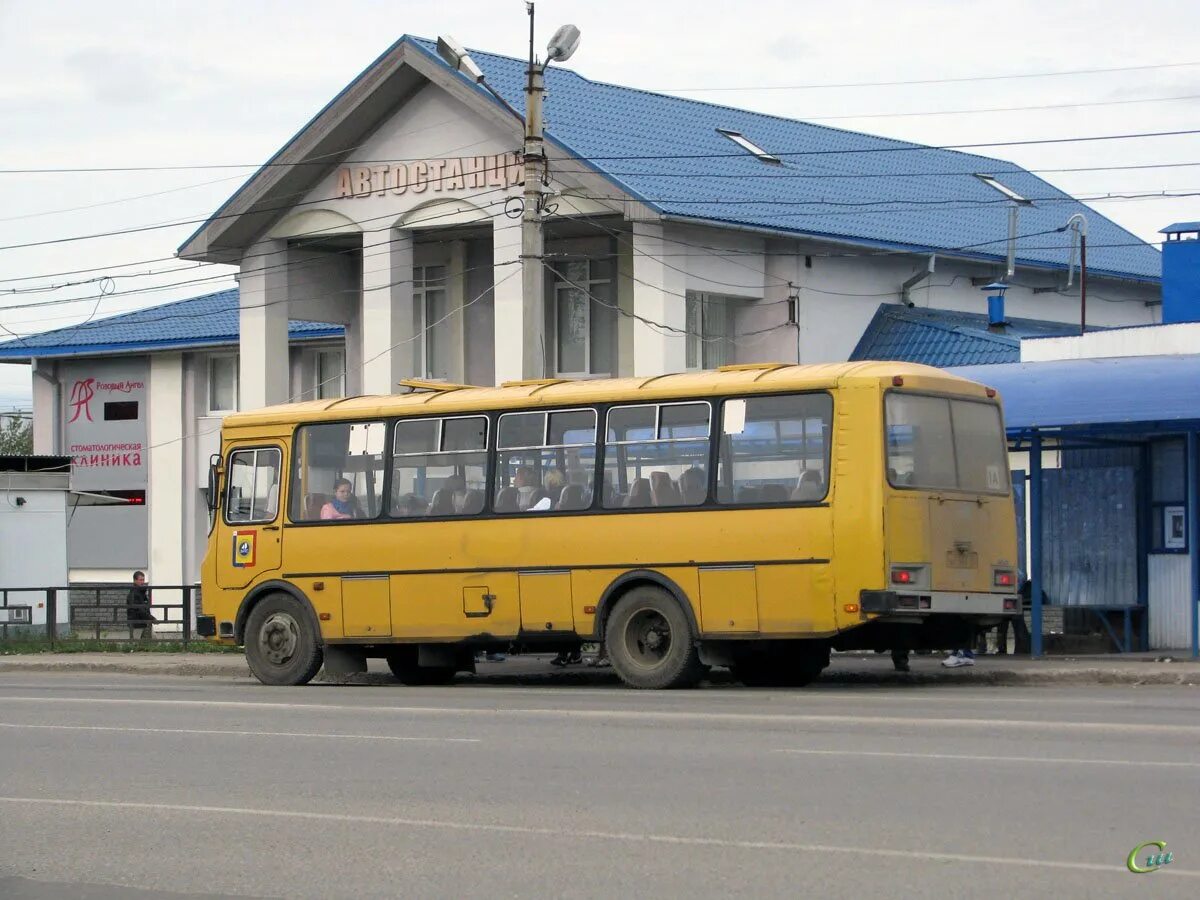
x=1097, y=411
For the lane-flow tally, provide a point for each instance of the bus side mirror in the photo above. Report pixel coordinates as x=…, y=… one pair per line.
x=214, y=481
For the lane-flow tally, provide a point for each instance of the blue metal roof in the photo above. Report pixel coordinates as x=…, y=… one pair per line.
x=207, y=321
x=667, y=152
x=1116, y=391
x=940, y=337
x=1180, y=228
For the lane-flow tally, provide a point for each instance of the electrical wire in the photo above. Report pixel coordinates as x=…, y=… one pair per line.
x=914, y=81
x=906, y=148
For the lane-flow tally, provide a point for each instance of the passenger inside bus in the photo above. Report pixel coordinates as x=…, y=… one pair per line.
x=343, y=504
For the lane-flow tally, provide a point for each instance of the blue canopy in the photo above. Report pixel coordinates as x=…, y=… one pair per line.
x=1118, y=391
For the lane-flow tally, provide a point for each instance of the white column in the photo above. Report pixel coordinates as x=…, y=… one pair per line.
x=263, y=326
x=510, y=312
x=46, y=414
x=164, y=501
x=658, y=296
x=456, y=297
x=386, y=324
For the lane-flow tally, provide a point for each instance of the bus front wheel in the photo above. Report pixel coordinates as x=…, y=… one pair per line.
x=282, y=647
x=650, y=642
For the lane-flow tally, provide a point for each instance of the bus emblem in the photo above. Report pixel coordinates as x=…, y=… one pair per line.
x=243, y=549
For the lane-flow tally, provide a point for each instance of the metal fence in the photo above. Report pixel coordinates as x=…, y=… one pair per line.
x=98, y=612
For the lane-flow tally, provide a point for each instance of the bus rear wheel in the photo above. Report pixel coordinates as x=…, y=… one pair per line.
x=403, y=663
x=650, y=641
x=282, y=647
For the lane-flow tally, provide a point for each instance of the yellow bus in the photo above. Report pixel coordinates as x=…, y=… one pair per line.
x=753, y=517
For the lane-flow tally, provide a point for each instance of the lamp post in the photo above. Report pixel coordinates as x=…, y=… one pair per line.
x=533, y=280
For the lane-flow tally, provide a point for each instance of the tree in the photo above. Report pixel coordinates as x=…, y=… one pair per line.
x=16, y=436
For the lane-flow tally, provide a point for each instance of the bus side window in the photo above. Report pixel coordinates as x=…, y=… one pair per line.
x=546, y=461
x=656, y=455
x=774, y=449
x=439, y=467
x=338, y=473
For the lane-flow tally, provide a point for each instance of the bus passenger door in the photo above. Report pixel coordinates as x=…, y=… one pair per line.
x=546, y=601
x=249, y=526
x=728, y=599
x=366, y=606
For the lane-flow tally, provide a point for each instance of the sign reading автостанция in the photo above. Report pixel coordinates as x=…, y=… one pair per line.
x=455, y=173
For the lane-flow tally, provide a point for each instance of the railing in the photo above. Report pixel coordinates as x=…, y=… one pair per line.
x=98, y=612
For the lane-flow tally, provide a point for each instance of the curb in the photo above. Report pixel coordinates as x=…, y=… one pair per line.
x=1182, y=675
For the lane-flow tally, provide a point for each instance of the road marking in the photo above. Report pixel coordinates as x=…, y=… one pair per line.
x=589, y=834
x=656, y=716
x=288, y=734
x=1140, y=763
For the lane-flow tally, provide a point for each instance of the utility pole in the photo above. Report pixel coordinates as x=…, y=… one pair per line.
x=533, y=243
x=533, y=239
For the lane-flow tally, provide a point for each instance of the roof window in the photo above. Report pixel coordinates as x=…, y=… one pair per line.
x=748, y=145
x=994, y=183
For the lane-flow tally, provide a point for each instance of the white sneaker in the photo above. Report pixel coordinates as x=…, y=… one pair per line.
x=955, y=660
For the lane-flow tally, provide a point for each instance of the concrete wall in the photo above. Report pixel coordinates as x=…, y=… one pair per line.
x=1163, y=340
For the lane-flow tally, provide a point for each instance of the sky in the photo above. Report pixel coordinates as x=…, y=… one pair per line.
x=85, y=84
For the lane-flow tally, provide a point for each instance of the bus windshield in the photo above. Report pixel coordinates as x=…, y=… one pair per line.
x=944, y=443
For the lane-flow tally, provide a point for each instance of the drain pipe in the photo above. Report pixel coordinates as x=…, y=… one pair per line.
x=1078, y=224
x=906, y=288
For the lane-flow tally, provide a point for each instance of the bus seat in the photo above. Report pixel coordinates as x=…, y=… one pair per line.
x=312, y=506
x=749, y=494
x=774, y=493
x=572, y=497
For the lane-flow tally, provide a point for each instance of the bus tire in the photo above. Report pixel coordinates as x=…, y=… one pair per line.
x=403, y=663
x=650, y=641
x=282, y=647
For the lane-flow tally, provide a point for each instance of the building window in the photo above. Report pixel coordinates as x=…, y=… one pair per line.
x=331, y=374
x=1168, y=493
x=710, y=329
x=222, y=384
x=431, y=320
x=582, y=317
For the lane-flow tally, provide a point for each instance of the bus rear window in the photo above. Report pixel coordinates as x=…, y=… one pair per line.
x=943, y=443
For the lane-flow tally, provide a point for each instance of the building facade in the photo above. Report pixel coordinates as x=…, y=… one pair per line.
x=383, y=243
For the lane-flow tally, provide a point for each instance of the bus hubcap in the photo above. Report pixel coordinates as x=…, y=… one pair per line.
x=278, y=638
x=648, y=637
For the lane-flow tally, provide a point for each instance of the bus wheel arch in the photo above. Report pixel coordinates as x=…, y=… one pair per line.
x=264, y=590
x=651, y=639
x=641, y=578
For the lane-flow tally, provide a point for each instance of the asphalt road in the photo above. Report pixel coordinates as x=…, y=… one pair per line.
x=149, y=787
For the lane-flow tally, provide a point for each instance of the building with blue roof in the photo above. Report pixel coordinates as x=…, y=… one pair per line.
x=382, y=242
x=947, y=338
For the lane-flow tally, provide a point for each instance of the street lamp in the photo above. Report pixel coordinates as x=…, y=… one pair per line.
x=562, y=46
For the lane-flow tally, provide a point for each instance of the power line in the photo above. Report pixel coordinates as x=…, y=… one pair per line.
x=958, y=80
x=907, y=147
x=1001, y=109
